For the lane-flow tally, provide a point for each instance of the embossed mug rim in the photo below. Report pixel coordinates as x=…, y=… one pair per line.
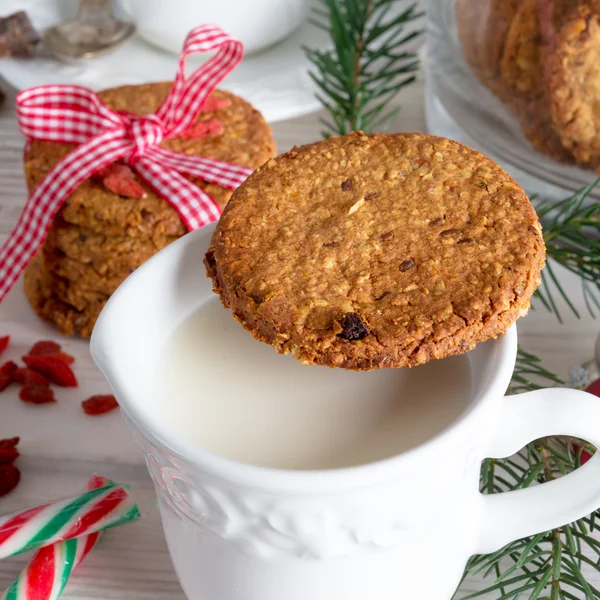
x=107, y=354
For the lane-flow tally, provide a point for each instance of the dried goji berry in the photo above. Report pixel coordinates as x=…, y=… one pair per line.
x=48, y=347
x=101, y=173
x=8, y=456
x=123, y=186
x=594, y=388
x=121, y=170
x=203, y=129
x=54, y=369
x=584, y=455
x=99, y=405
x=9, y=478
x=45, y=347
x=118, y=168
x=10, y=442
x=28, y=376
x=213, y=103
x=7, y=374
x=37, y=394
x=66, y=358
x=4, y=343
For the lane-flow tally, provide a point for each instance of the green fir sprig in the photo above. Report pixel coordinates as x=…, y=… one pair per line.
x=357, y=79
x=368, y=64
x=529, y=373
x=572, y=235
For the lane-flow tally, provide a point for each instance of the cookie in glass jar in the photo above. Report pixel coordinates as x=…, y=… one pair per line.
x=571, y=34
x=483, y=26
x=522, y=73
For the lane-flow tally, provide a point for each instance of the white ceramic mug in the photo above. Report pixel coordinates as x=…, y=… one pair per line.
x=257, y=24
x=401, y=528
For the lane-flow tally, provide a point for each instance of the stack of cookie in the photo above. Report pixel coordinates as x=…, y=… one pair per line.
x=107, y=228
x=541, y=58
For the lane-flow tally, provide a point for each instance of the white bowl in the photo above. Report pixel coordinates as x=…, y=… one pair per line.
x=258, y=23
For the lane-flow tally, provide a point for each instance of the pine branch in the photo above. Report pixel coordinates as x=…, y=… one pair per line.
x=367, y=66
x=529, y=374
x=572, y=235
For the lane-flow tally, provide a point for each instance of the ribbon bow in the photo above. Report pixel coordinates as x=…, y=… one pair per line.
x=73, y=114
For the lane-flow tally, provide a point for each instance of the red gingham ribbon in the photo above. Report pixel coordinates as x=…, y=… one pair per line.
x=73, y=114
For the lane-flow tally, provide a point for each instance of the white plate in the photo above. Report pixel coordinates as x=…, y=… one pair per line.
x=275, y=81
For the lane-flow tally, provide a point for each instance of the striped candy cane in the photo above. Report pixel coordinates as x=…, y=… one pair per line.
x=44, y=525
x=46, y=575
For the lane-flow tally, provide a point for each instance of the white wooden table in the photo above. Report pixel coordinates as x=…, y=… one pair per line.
x=61, y=447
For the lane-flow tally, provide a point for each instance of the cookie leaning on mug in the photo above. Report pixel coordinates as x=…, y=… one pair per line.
x=370, y=251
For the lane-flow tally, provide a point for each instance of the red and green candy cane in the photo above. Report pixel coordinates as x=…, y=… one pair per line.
x=46, y=576
x=87, y=513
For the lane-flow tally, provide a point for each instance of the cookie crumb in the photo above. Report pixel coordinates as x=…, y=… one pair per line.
x=356, y=206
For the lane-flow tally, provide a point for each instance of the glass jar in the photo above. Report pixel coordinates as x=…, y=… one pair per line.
x=489, y=85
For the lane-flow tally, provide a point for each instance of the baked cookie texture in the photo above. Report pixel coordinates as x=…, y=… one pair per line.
x=522, y=71
x=370, y=251
x=572, y=66
x=98, y=237
x=40, y=289
x=246, y=140
x=483, y=27
x=516, y=74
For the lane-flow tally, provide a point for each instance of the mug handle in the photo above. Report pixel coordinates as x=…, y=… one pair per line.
x=525, y=417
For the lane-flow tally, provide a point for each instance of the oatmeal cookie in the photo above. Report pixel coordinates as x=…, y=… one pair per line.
x=99, y=238
x=106, y=256
x=370, y=251
x=522, y=73
x=75, y=296
x=571, y=33
x=483, y=26
x=38, y=285
x=502, y=43
x=520, y=61
x=80, y=276
x=246, y=140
